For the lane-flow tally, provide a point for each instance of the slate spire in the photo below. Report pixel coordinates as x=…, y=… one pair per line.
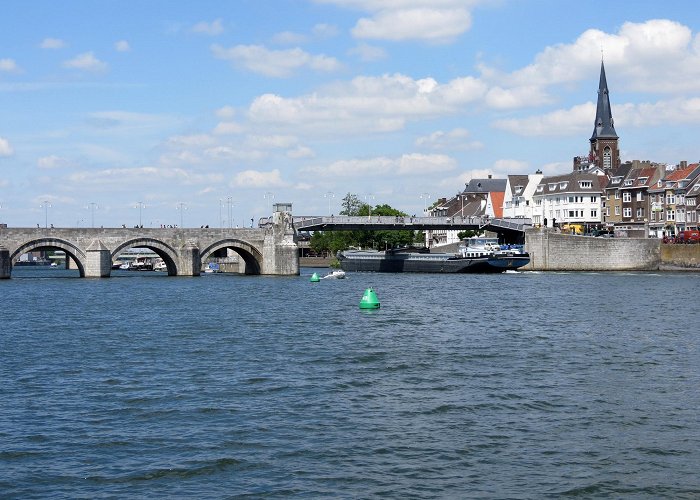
x=604, y=126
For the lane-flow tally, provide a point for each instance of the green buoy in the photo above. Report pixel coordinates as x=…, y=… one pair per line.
x=369, y=300
x=314, y=278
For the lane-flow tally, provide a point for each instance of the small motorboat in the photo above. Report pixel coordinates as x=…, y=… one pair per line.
x=338, y=274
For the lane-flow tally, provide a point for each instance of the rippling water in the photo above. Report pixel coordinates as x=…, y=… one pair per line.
x=512, y=386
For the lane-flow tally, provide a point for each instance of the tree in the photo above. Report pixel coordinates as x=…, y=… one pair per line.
x=351, y=205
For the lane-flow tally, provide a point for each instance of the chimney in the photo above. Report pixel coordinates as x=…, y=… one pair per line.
x=683, y=164
x=489, y=176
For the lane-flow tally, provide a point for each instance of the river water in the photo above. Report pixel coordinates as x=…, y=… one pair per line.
x=522, y=385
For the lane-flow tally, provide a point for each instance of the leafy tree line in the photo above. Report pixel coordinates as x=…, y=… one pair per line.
x=333, y=241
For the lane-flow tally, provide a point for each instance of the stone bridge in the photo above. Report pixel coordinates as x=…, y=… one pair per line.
x=268, y=250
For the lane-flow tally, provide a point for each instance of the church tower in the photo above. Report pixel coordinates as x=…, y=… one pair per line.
x=604, y=141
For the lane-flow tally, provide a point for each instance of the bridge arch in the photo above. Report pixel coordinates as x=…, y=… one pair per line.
x=163, y=250
x=71, y=250
x=252, y=257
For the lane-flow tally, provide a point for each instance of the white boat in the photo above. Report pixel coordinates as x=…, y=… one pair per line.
x=338, y=274
x=160, y=265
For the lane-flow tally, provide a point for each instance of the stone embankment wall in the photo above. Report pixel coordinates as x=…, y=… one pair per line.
x=552, y=251
x=680, y=257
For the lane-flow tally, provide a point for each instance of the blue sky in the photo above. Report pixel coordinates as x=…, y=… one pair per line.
x=169, y=103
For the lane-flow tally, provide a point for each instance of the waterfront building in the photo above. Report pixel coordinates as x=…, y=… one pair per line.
x=692, y=208
x=518, y=196
x=573, y=200
x=668, y=200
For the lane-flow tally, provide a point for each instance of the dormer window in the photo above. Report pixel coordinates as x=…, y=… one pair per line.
x=615, y=180
x=586, y=184
x=562, y=185
x=552, y=187
x=540, y=188
x=643, y=180
x=518, y=189
x=629, y=182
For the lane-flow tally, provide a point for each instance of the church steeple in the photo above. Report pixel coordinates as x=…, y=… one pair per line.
x=604, y=125
x=604, y=141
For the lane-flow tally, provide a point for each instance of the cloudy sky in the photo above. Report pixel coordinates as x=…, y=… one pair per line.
x=181, y=104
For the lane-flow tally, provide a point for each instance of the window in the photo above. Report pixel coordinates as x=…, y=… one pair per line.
x=594, y=214
x=640, y=196
x=552, y=187
x=640, y=212
x=670, y=215
x=643, y=180
x=594, y=199
x=540, y=188
x=563, y=185
x=617, y=195
x=629, y=182
x=670, y=199
x=626, y=197
x=571, y=214
x=585, y=184
x=607, y=158
x=627, y=212
x=607, y=212
x=617, y=210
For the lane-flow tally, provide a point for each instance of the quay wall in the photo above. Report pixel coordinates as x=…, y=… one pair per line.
x=553, y=251
x=675, y=257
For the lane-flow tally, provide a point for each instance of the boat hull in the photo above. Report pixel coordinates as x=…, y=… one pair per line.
x=429, y=263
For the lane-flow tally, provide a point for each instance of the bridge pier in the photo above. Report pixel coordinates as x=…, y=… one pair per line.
x=190, y=260
x=98, y=260
x=5, y=263
x=281, y=252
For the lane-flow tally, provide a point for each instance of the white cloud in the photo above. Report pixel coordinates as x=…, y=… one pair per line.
x=226, y=112
x=572, y=121
x=144, y=177
x=323, y=30
x=429, y=24
x=367, y=104
x=52, y=43
x=258, y=179
x=300, y=152
x=516, y=97
x=657, y=55
x=502, y=168
x=194, y=140
x=405, y=165
x=86, y=61
x=9, y=66
x=435, y=21
x=5, y=148
x=228, y=128
x=289, y=38
x=213, y=28
x=368, y=53
x=274, y=63
x=271, y=141
x=122, y=46
x=456, y=139
x=228, y=153
x=51, y=162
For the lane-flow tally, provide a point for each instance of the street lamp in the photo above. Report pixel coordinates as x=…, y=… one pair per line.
x=229, y=212
x=368, y=198
x=181, y=207
x=140, y=205
x=329, y=195
x=46, y=206
x=92, y=207
x=269, y=196
x=424, y=197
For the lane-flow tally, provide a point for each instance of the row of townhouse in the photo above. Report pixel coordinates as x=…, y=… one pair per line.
x=637, y=199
